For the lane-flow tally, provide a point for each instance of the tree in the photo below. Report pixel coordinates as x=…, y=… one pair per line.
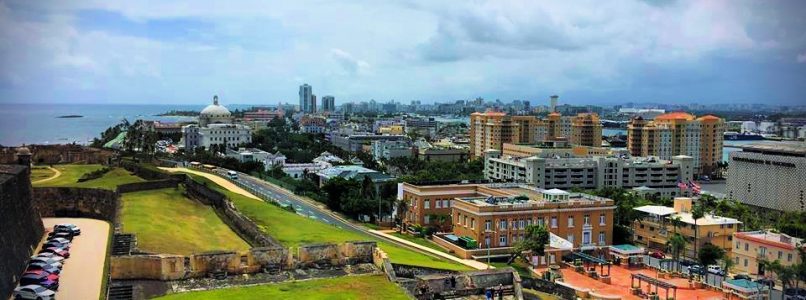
x=697, y=213
x=727, y=263
x=534, y=242
x=710, y=254
x=786, y=274
x=676, y=244
x=402, y=209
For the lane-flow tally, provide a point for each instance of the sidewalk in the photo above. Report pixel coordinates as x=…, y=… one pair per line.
x=467, y=262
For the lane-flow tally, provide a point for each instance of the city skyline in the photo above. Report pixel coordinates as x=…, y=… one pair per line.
x=250, y=53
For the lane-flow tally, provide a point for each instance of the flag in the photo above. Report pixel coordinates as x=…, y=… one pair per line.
x=695, y=188
x=682, y=185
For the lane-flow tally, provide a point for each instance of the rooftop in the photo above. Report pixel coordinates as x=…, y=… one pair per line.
x=675, y=116
x=796, y=148
x=775, y=239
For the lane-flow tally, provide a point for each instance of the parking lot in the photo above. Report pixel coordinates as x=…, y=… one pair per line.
x=82, y=275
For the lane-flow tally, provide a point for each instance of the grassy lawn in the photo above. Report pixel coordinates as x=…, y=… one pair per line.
x=71, y=173
x=165, y=221
x=40, y=172
x=348, y=287
x=420, y=241
x=519, y=265
x=293, y=230
x=541, y=295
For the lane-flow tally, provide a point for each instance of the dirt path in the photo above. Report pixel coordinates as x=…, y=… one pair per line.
x=217, y=179
x=83, y=273
x=56, y=174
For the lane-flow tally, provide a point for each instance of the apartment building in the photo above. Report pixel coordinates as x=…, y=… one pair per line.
x=490, y=130
x=654, y=227
x=597, y=172
x=769, y=176
x=678, y=133
x=751, y=247
x=496, y=215
x=586, y=130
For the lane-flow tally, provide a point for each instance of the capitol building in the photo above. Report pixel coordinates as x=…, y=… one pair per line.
x=216, y=127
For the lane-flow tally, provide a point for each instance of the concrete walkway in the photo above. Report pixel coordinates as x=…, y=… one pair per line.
x=56, y=173
x=217, y=179
x=467, y=262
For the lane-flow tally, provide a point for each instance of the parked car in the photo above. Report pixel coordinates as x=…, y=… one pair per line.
x=716, y=270
x=742, y=276
x=45, y=260
x=55, y=250
x=794, y=294
x=64, y=235
x=67, y=227
x=696, y=269
x=49, y=244
x=687, y=263
x=60, y=240
x=49, y=281
x=32, y=292
x=51, y=256
x=766, y=281
x=41, y=272
x=657, y=254
x=43, y=266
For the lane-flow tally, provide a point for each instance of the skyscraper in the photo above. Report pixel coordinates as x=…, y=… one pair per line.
x=554, y=103
x=307, y=102
x=328, y=103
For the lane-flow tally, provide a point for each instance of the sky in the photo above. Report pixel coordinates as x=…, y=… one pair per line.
x=259, y=52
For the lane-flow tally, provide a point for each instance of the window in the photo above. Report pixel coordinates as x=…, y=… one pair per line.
x=762, y=251
x=737, y=245
x=446, y=203
x=570, y=221
x=602, y=239
x=502, y=241
x=541, y=221
x=553, y=222
x=789, y=257
x=502, y=225
x=587, y=219
x=473, y=223
x=780, y=254
x=437, y=204
x=601, y=219
x=464, y=222
x=487, y=225
x=736, y=260
x=427, y=204
x=745, y=262
x=521, y=224
x=586, y=237
x=570, y=238
x=746, y=246
x=427, y=219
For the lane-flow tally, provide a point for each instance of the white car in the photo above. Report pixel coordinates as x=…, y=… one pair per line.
x=50, y=256
x=714, y=269
x=33, y=292
x=46, y=261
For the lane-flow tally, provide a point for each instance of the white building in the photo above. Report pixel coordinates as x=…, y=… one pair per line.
x=247, y=155
x=769, y=175
x=390, y=149
x=323, y=161
x=215, y=128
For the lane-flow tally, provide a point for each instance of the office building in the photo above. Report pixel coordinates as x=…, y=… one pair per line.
x=496, y=215
x=553, y=103
x=678, y=133
x=386, y=150
x=769, y=175
x=660, y=176
x=307, y=101
x=752, y=247
x=328, y=103
x=654, y=228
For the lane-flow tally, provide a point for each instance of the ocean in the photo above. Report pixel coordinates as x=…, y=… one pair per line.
x=40, y=123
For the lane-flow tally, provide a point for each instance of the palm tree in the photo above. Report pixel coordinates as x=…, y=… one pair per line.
x=402, y=209
x=676, y=244
x=697, y=213
x=785, y=273
x=727, y=263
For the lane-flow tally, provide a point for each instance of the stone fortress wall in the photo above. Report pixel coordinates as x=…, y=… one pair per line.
x=57, y=154
x=21, y=228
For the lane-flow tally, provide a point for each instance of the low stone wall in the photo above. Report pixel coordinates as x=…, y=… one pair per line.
x=148, y=173
x=408, y=271
x=147, y=185
x=465, y=283
x=468, y=253
x=76, y=202
x=56, y=154
x=159, y=267
x=563, y=291
x=255, y=260
x=21, y=228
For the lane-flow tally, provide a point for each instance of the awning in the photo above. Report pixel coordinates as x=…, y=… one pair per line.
x=559, y=243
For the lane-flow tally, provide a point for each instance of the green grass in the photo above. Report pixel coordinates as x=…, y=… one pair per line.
x=293, y=230
x=541, y=295
x=420, y=241
x=40, y=172
x=348, y=287
x=165, y=221
x=519, y=265
x=71, y=174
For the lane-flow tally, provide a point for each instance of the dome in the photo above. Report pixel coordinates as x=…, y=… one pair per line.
x=215, y=110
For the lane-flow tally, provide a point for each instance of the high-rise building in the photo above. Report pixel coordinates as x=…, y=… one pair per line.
x=586, y=130
x=553, y=100
x=490, y=130
x=328, y=103
x=307, y=101
x=678, y=133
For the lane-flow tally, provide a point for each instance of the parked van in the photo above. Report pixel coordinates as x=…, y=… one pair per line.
x=232, y=174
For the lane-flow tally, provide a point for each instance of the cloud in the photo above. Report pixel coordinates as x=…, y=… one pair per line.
x=349, y=63
x=801, y=58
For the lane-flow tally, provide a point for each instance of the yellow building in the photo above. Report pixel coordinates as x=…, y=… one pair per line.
x=586, y=130
x=489, y=130
x=392, y=130
x=751, y=247
x=678, y=133
x=655, y=227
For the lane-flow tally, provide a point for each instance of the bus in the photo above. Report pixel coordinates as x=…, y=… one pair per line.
x=232, y=174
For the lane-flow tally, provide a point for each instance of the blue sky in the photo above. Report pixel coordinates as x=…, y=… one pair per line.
x=259, y=52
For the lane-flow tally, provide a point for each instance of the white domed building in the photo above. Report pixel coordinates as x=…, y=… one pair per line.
x=215, y=128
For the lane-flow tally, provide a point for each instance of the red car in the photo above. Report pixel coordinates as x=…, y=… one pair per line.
x=42, y=273
x=657, y=254
x=55, y=250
